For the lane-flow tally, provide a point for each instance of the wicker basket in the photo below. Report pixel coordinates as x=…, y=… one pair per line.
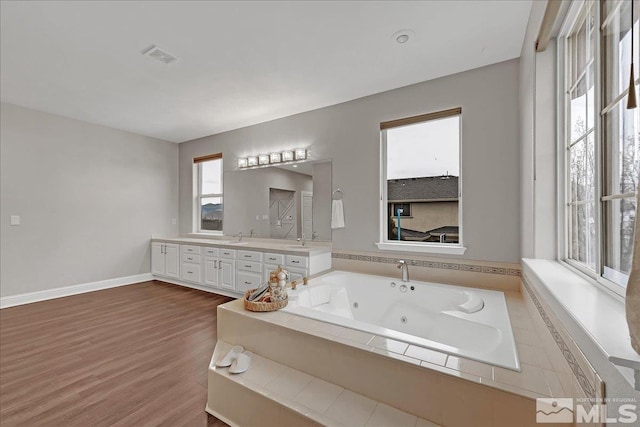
x=263, y=305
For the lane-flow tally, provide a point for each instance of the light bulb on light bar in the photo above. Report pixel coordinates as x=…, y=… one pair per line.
x=243, y=163
x=287, y=156
x=301, y=153
x=263, y=159
x=275, y=157
x=252, y=161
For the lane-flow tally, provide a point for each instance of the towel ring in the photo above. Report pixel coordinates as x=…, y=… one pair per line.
x=337, y=195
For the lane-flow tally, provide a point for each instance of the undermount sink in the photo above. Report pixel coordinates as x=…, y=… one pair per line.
x=221, y=242
x=237, y=243
x=299, y=248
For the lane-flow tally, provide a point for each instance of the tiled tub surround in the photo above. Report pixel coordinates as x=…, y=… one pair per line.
x=477, y=274
x=426, y=384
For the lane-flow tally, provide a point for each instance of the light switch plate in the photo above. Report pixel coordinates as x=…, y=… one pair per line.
x=15, y=219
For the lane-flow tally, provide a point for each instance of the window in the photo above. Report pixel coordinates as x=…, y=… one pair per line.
x=602, y=141
x=420, y=183
x=400, y=209
x=208, y=200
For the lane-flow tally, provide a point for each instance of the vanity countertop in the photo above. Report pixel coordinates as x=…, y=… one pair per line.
x=283, y=247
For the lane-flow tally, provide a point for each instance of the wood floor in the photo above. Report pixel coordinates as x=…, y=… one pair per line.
x=129, y=356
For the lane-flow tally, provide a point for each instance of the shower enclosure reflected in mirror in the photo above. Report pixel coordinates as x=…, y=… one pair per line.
x=280, y=202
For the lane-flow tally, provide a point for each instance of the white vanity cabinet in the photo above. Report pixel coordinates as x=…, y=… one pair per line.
x=227, y=269
x=165, y=260
x=248, y=270
x=236, y=270
x=191, y=270
x=211, y=267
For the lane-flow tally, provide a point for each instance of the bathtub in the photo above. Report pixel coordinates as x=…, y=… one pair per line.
x=466, y=322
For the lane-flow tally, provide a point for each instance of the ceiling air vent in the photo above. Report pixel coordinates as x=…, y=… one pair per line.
x=159, y=54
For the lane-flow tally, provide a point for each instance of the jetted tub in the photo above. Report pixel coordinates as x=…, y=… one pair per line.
x=467, y=322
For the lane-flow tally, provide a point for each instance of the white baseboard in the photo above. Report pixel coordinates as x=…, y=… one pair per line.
x=66, y=291
x=216, y=291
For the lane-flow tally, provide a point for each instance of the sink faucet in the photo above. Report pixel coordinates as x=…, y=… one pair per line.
x=252, y=232
x=239, y=236
x=402, y=264
x=302, y=240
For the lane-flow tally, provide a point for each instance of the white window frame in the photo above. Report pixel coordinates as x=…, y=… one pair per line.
x=198, y=196
x=418, y=247
x=563, y=132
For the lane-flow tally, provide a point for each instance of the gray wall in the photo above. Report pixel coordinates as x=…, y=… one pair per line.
x=89, y=198
x=246, y=194
x=349, y=133
x=538, y=148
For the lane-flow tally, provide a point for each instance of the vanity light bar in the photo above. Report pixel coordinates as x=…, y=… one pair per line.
x=277, y=157
x=287, y=156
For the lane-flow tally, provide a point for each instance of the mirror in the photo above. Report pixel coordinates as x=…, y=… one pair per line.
x=280, y=202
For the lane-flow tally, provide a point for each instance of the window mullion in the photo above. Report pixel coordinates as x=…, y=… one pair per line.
x=598, y=144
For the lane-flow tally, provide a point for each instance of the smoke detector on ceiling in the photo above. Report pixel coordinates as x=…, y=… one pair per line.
x=159, y=54
x=402, y=36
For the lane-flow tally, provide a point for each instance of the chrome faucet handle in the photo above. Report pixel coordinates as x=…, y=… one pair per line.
x=401, y=263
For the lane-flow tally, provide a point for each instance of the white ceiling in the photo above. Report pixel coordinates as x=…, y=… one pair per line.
x=240, y=63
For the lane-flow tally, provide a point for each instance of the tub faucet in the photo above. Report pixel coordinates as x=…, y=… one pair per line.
x=402, y=264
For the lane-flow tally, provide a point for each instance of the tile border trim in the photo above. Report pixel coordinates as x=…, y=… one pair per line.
x=585, y=385
x=430, y=264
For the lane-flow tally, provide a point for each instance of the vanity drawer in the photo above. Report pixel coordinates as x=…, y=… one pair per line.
x=297, y=261
x=210, y=251
x=246, y=280
x=190, y=249
x=249, y=256
x=190, y=272
x=191, y=258
x=249, y=266
x=274, y=259
x=228, y=253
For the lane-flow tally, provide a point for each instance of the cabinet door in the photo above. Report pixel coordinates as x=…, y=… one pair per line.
x=246, y=280
x=211, y=271
x=227, y=274
x=157, y=259
x=191, y=272
x=172, y=261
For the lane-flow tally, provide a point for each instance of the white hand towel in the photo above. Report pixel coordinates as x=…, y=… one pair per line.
x=337, y=214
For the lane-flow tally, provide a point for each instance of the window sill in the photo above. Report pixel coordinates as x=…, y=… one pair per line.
x=428, y=248
x=591, y=310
